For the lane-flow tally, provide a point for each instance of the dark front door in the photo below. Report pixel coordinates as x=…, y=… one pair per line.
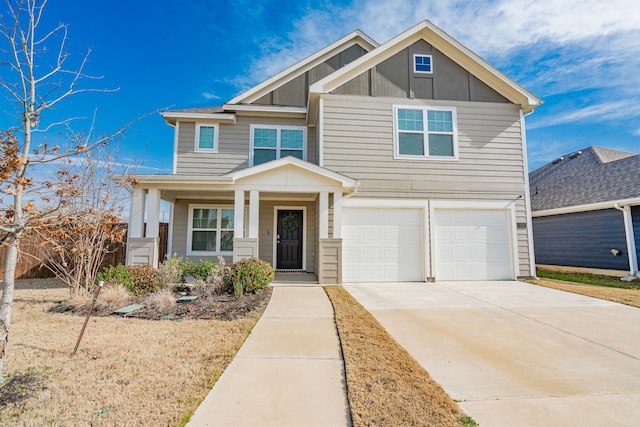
x=289, y=237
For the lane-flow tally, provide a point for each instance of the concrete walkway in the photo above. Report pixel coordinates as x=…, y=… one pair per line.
x=516, y=354
x=289, y=372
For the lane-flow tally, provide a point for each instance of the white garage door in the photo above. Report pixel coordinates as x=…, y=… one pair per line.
x=472, y=245
x=382, y=245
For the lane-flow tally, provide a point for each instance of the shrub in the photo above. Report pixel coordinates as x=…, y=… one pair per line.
x=145, y=280
x=249, y=275
x=170, y=272
x=200, y=270
x=116, y=275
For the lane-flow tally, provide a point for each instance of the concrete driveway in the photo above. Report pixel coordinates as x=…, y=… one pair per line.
x=516, y=354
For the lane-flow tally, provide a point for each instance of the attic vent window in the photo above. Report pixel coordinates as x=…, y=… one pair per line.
x=422, y=64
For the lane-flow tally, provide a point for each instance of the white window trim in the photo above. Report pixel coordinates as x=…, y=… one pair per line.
x=426, y=156
x=278, y=128
x=415, y=55
x=218, y=230
x=197, y=148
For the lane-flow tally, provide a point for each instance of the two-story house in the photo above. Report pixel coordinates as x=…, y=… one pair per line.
x=404, y=161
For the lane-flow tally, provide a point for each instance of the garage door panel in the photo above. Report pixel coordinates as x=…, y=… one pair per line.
x=472, y=244
x=382, y=245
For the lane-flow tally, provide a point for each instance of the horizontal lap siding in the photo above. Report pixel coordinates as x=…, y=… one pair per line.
x=582, y=239
x=233, y=146
x=358, y=142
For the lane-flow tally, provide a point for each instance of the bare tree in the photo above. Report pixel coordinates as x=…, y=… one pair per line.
x=37, y=77
x=89, y=226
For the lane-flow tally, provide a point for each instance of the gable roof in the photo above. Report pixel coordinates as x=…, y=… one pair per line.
x=444, y=43
x=290, y=73
x=588, y=176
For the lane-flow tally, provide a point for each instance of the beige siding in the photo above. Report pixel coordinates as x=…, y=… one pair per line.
x=265, y=228
x=233, y=146
x=358, y=142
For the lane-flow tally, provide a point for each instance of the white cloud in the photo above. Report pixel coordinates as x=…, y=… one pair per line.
x=636, y=132
x=209, y=95
x=595, y=113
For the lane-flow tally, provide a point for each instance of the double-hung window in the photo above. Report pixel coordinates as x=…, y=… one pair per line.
x=273, y=142
x=210, y=230
x=206, y=138
x=425, y=132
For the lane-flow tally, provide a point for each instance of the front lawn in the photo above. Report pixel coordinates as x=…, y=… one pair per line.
x=126, y=372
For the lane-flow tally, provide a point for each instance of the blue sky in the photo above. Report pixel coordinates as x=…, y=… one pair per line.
x=582, y=57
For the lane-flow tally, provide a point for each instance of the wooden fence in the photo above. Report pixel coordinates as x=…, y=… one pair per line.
x=30, y=267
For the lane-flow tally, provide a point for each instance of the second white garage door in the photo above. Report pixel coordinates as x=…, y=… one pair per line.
x=472, y=244
x=382, y=245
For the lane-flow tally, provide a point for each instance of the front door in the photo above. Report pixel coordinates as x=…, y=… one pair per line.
x=289, y=240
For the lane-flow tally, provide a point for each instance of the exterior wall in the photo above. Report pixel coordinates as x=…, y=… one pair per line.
x=395, y=77
x=233, y=146
x=296, y=92
x=358, y=142
x=635, y=215
x=265, y=229
x=582, y=239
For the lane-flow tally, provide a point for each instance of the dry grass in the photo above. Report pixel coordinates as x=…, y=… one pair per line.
x=624, y=296
x=386, y=386
x=113, y=296
x=163, y=300
x=128, y=372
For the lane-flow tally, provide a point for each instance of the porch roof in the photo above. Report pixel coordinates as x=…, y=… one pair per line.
x=288, y=174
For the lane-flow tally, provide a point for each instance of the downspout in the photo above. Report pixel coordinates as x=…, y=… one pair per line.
x=350, y=195
x=631, y=242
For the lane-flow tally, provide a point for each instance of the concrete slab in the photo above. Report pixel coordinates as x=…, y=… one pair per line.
x=289, y=372
x=300, y=302
x=293, y=338
x=580, y=411
x=515, y=353
x=276, y=392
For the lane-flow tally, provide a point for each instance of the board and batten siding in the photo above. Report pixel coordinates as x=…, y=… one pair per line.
x=358, y=142
x=233, y=146
x=581, y=239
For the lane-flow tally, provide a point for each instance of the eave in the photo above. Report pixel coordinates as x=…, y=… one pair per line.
x=171, y=117
x=588, y=207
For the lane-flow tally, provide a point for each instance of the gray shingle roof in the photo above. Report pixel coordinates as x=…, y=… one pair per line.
x=593, y=176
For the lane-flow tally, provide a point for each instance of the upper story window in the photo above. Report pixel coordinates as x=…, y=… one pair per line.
x=425, y=132
x=206, y=138
x=210, y=230
x=270, y=142
x=422, y=64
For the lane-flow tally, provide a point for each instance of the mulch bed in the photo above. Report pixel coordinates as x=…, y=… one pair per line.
x=220, y=307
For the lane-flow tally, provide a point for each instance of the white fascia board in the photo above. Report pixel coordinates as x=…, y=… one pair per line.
x=309, y=62
x=157, y=180
x=589, y=207
x=275, y=164
x=448, y=46
x=172, y=116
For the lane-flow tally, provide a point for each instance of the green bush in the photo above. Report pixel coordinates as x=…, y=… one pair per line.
x=249, y=275
x=200, y=270
x=116, y=275
x=145, y=280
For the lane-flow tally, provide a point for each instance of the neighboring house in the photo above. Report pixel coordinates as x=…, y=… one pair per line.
x=362, y=163
x=586, y=210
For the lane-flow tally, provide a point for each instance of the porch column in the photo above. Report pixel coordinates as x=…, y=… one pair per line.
x=324, y=215
x=238, y=215
x=153, y=213
x=136, y=214
x=337, y=215
x=254, y=209
x=631, y=241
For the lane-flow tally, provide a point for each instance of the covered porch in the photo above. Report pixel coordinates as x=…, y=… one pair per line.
x=287, y=212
